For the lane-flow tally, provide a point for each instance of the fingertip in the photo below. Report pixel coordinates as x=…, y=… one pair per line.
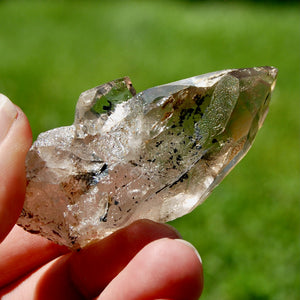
x=14, y=146
x=192, y=247
x=164, y=269
x=194, y=264
x=112, y=254
x=183, y=266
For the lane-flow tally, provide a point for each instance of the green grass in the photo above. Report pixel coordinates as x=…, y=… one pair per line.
x=247, y=232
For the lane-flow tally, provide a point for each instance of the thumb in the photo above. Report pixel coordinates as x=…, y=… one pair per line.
x=15, y=140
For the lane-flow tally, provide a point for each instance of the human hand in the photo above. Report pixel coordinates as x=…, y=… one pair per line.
x=145, y=260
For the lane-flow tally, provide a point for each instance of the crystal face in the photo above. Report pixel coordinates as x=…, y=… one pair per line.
x=157, y=154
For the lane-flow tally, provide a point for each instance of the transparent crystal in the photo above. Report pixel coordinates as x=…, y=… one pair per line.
x=155, y=155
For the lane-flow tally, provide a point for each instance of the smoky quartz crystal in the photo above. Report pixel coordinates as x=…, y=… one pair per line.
x=157, y=154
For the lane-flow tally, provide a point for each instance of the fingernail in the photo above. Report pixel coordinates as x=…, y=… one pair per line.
x=8, y=114
x=192, y=247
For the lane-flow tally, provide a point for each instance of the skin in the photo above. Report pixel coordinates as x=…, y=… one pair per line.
x=145, y=260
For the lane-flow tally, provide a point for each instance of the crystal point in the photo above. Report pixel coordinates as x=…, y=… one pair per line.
x=157, y=154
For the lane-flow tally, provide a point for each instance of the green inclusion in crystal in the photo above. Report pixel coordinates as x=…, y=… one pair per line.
x=105, y=104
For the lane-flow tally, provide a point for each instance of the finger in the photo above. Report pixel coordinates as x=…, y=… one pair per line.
x=86, y=273
x=94, y=267
x=15, y=140
x=22, y=252
x=29, y=287
x=164, y=269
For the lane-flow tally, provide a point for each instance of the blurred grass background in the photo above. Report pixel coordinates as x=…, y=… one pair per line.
x=247, y=232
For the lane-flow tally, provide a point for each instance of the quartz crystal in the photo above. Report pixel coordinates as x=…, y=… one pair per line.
x=157, y=154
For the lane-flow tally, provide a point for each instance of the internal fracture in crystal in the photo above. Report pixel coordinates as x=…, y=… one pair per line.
x=157, y=154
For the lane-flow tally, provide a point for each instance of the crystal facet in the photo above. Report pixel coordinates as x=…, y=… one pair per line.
x=157, y=154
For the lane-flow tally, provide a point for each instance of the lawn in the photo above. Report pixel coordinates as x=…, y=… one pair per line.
x=247, y=232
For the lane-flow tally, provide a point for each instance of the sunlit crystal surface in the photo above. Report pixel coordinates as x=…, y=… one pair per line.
x=157, y=154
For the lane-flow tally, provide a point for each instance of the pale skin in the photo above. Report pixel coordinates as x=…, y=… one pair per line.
x=145, y=260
